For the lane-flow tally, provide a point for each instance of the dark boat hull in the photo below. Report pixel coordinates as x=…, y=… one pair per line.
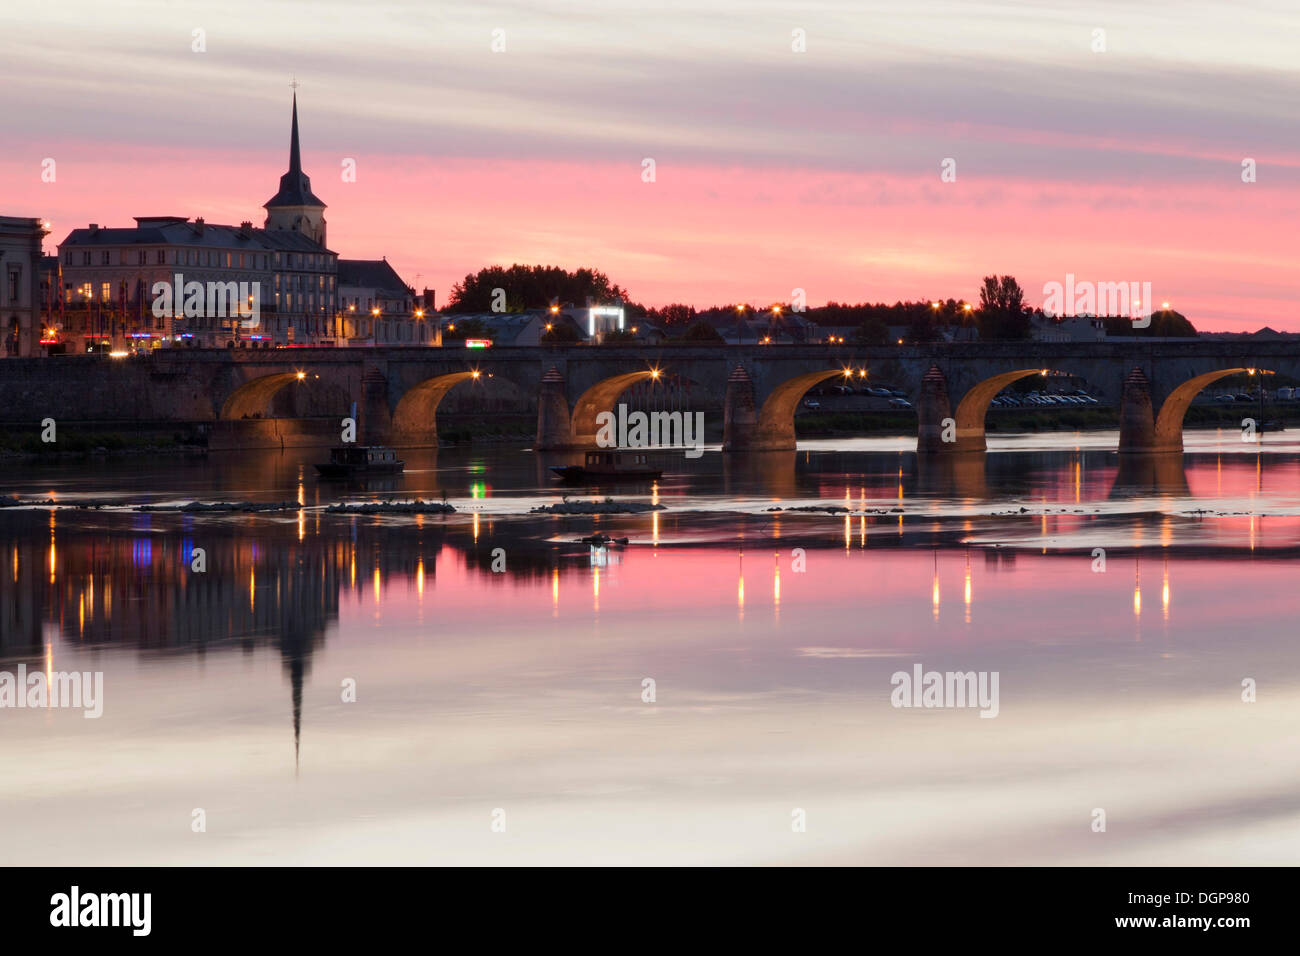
x=577, y=473
x=334, y=470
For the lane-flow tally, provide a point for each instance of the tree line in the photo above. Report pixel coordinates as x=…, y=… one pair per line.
x=999, y=314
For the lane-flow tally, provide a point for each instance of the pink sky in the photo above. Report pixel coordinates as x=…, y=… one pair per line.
x=775, y=169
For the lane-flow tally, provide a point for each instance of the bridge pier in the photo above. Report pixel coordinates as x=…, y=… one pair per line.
x=375, y=427
x=933, y=408
x=739, y=413
x=554, y=423
x=1137, y=423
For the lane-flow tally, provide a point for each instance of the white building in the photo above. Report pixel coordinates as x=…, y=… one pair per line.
x=20, y=267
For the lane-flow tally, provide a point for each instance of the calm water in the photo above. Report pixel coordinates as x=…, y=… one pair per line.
x=522, y=690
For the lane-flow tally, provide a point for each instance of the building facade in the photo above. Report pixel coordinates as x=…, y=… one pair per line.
x=21, y=270
x=378, y=308
x=282, y=277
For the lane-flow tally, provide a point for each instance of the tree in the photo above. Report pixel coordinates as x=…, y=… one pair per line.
x=872, y=332
x=674, y=314
x=560, y=333
x=618, y=337
x=1002, y=309
x=531, y=287
x=1164, y=324
x=465, y=329
x=702, y=333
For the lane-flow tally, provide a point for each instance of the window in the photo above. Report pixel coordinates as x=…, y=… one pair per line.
x=14, y=275
x=105, y=291
x=162, y=257
x=85, y=258
x=142, y=257
x=123, y=258
x=105, y=258
x=67, y=258
x=230, y=260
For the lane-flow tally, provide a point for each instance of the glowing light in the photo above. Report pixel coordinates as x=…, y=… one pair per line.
x=475, y=373
x=419, y=577
x=1164, y=591
x=301, y=376
x=375, y=582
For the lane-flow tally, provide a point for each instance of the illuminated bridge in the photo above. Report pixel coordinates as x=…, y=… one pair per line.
x=258, y=398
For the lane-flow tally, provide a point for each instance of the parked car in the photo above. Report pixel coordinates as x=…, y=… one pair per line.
x=899, y=403
x=811, y=404
x=1286, y=393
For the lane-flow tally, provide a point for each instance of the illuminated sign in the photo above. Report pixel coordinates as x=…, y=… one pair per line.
x=478, y=343
x=614, y=312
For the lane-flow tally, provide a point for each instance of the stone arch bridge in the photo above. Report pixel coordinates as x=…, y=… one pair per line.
x=753, y=390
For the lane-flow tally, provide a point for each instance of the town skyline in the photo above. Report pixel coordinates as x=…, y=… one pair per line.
x=771, y=179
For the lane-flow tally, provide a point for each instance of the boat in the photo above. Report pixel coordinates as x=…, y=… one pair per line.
x=610, y=466
x=352, y=461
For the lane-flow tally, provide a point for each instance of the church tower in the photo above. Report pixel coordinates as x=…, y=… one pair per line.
x=295, y=207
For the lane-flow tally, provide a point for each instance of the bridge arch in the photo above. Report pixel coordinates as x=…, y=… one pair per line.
x=1169, y=422
x=974, y=406
x=775, y=421
x=415, y=420
x=600, y=398
x=252, y=399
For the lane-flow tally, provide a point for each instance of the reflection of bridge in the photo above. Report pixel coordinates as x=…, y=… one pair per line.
x=756, y=389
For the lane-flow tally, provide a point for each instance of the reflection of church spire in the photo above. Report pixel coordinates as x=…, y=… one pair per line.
x=296, y=670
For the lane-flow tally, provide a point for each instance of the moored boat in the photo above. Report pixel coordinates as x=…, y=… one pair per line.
x=610, y=466
x=353, y=461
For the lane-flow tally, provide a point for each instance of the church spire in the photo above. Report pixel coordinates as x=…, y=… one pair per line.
x=295, y=160
x=295, y=185
x=295, y=208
